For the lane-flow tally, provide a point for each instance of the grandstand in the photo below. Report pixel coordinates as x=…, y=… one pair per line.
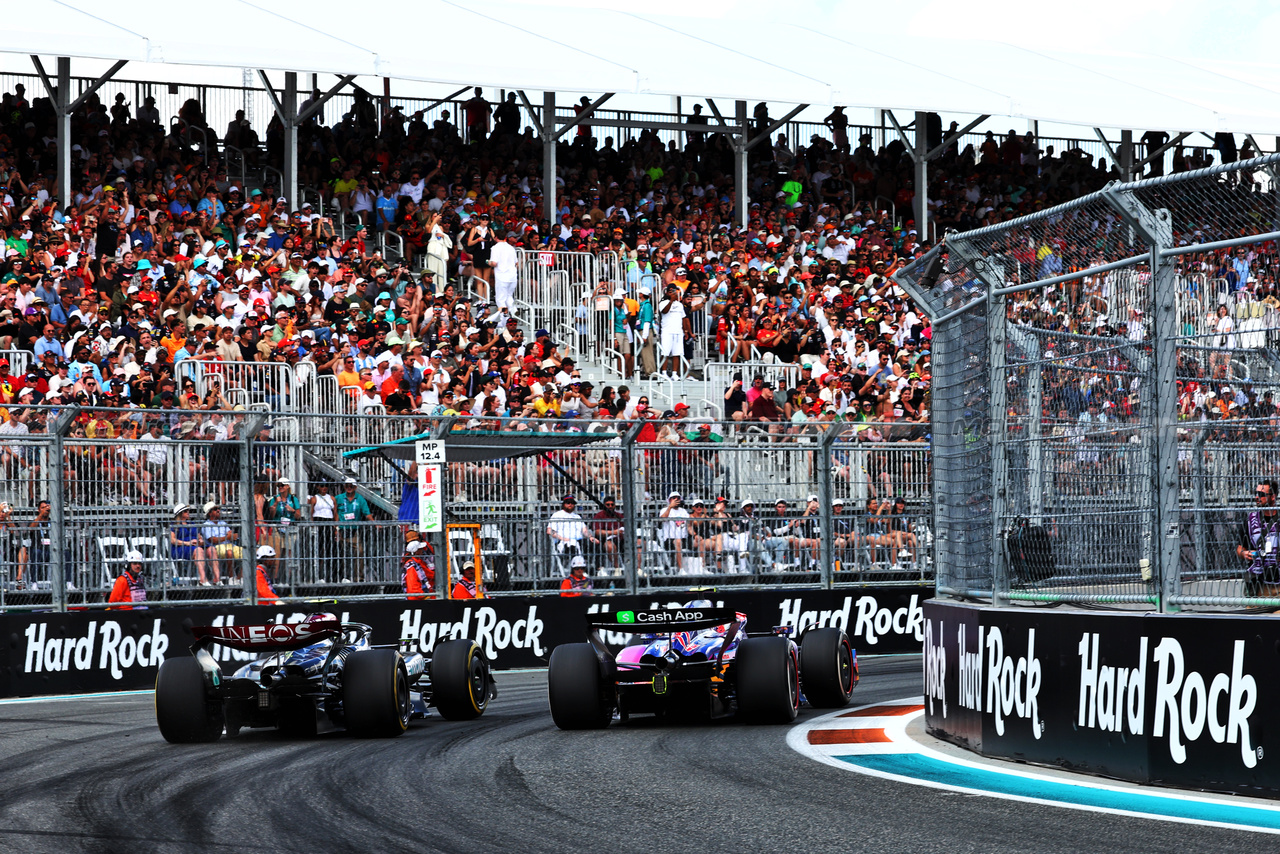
x=323, y=273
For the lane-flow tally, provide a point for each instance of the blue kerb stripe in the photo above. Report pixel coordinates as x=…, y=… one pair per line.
x=928, y=768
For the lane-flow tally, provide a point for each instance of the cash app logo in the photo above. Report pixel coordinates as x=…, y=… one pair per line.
x=626, y=616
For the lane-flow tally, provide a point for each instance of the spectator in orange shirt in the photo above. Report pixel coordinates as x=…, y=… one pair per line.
x=392, y=383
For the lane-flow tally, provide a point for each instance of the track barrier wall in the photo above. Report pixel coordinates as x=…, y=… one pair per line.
x=84, y=652
x=1187, y=701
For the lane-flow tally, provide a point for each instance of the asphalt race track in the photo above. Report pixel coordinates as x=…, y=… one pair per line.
x=94, y=775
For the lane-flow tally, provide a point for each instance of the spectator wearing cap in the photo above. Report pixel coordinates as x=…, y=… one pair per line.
x=184, y=545
x=777, y=534
x=285, y=510
x=352, y=512
x=675, y=530
x=568, y=531
x=218, y=541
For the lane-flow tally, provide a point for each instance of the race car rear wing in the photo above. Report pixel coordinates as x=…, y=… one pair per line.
x=271, y=637
x=664, y=620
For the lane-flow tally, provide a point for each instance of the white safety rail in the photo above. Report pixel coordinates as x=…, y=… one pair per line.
x=19, y=360
x=272, y=384
x=552, y=289
x=719, y=375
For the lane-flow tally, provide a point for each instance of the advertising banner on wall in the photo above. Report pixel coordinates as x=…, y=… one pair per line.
x=80, y=652
x=1183, y=700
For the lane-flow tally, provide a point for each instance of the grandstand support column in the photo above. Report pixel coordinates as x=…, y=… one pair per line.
x=549, y=139
x=740, y=209
x=1156, y=229
x=290, y=122
x=57, y=502
x=920, y=198
x=63, y=108
x=1126, y=156
x=249, y=587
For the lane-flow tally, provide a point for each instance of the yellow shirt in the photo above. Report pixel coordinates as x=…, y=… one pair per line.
x=542, y=406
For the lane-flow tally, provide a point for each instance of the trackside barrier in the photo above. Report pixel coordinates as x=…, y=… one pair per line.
x=1156, y=699
x=80, y=652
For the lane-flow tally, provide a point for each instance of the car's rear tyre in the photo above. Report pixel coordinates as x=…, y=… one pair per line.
x=375, y=693
x=768, y=680
x=460, y=680
x=575, y=690
x=827, y=671
x=185, y=712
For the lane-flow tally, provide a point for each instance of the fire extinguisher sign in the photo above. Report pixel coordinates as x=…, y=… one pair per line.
x=429, y=455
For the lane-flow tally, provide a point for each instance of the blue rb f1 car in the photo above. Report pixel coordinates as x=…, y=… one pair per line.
x=319, y=669
x=697, y=661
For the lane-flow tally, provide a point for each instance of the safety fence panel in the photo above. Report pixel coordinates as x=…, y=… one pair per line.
x=197, y=492
x=30, y=472
x=719, y=377
x=268, y=385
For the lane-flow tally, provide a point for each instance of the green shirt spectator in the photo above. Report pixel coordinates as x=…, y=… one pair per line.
x=352, y=508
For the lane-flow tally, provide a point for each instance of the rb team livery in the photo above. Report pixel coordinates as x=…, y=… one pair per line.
x=319, y=668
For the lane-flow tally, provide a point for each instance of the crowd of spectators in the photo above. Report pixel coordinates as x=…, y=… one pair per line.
x=162, y=257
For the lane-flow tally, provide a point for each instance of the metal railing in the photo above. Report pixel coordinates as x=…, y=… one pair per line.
x=198, y=494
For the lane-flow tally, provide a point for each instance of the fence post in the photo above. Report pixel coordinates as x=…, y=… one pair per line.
x=1198, y=498
x=630, y=519
x=826, y=534
x=58, y=542
x=1156, y=229
x=248, y=517
x=997, y=420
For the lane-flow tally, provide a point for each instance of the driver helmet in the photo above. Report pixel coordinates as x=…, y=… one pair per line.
x=322, y=617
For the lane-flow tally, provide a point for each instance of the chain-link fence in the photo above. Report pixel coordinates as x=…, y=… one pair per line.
x=192, y=495
x=1105, y=379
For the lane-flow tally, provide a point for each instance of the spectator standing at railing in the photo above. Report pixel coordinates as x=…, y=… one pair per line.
x=34, y=552
x=504, y=261
x=352, y=511
x=1259, y=542
x=285, y=510
x=675, y=328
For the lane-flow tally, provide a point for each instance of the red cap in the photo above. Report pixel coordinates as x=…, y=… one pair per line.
x=681, y=405
x=259, y=302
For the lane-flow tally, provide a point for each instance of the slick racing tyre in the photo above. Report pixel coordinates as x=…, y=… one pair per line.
x=184, y=710
x=768, y=680
x=575, y=689
x=375, y=693
x=827, y=671
x=460, y=680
